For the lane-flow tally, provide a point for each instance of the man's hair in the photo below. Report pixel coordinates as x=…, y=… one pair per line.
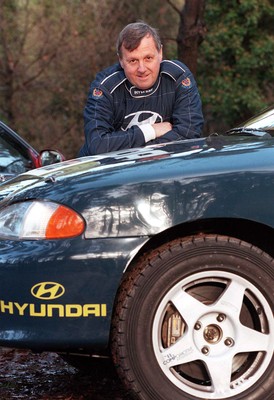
x=132, y=34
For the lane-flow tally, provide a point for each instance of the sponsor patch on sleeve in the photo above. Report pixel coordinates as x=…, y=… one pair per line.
x=97, y=93
x=186, y=83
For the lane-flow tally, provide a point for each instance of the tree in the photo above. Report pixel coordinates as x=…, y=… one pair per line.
x=236, y=72
x=27, y=49
x=46, y=56
x=191, y=31
x=50, y=51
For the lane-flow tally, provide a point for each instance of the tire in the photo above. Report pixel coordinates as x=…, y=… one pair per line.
x=194, y=320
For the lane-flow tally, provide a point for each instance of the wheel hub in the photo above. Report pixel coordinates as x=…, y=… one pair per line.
x=213, y=334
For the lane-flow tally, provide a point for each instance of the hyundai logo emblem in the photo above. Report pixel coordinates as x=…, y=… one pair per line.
x=47, y=290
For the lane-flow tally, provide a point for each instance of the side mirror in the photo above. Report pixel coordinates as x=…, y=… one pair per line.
x=48, y=157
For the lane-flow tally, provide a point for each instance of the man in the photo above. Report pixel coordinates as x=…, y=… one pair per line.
x=142, y=100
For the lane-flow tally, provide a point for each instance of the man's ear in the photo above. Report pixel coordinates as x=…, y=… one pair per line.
x=161, y=53
x=121, y=62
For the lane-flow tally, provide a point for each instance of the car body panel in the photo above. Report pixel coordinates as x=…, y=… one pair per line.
x=129, y=200
x=152, y=195
x=83, y=311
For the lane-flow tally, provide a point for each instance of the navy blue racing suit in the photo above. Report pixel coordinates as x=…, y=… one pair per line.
x=117, y=112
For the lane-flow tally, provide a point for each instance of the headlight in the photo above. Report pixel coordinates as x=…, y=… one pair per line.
x=39, y=220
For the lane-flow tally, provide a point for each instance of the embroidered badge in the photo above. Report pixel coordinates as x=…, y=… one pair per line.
x=97, y=93
x=186, y=82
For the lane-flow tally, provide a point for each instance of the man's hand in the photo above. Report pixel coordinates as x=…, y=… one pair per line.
x=161, y=128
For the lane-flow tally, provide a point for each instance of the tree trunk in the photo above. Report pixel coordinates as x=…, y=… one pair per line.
x=191, y=32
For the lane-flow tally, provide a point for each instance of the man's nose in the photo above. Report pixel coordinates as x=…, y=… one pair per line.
x=141, y=66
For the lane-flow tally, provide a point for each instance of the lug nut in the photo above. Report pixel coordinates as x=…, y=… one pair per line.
x=205, y=350
x=197, y=326
x=229, y=342
x=221, y=317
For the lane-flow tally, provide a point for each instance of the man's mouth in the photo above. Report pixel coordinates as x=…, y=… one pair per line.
x=143, y=76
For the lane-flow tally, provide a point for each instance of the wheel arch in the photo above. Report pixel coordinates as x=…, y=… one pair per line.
x=259, y=235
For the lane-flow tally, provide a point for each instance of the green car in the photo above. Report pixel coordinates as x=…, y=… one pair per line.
x=160, y=257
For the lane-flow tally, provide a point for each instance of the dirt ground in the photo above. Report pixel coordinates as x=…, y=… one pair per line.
x=46, y=376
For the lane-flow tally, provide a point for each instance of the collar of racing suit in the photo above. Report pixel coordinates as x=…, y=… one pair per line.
x=136, y=92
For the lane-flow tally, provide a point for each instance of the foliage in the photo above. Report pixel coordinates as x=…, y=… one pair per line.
x=236, y=60
x=50, y=51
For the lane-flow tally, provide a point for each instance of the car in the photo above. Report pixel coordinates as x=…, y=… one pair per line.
x=159, y=257
x=18, y=156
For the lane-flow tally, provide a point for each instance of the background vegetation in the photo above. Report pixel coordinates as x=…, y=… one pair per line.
x=50, y=51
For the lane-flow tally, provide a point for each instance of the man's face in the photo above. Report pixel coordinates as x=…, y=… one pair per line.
x=142, y=65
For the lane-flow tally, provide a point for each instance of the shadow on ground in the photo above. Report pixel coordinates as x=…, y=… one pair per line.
x=46, y=376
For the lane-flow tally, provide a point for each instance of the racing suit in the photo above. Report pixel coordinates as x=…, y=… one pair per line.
x=117, y=114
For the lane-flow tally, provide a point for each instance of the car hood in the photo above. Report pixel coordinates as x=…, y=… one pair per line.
x=95, y=167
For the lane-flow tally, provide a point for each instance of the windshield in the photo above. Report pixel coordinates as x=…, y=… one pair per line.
x=264, y=121
x=258, y=125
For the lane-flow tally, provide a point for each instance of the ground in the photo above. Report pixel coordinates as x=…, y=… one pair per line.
x=46, y=376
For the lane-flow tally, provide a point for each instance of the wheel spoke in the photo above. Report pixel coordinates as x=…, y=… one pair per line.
x=188, y=306
x=232, y=298
x=181, y=352
x=220, y=374
x=251, y=340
